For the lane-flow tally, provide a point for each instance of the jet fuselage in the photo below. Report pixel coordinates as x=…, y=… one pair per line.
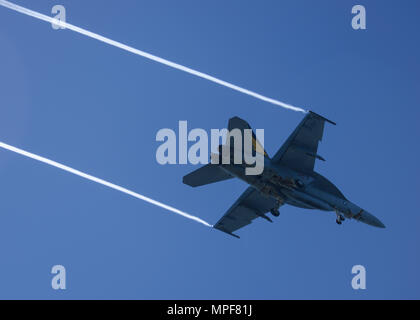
x=310, y=191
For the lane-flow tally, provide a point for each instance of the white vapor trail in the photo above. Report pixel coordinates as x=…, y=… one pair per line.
x=171, y=64
x=100, y=181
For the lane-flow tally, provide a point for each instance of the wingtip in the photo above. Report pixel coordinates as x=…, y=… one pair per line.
x=316, y=114
x=225, y=231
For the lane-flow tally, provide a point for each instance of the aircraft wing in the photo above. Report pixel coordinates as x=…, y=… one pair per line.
x=300, y=149
x=250, y=205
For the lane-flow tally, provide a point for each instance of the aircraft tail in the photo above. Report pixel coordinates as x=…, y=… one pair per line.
x=238, y=123
x=212, y=172
x=207, y=174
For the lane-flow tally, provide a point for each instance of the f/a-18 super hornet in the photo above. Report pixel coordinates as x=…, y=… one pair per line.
x=286, y=178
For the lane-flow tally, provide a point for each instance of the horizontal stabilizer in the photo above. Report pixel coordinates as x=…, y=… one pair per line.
x=207, y=174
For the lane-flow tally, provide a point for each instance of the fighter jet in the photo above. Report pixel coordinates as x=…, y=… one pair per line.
x=287, y=178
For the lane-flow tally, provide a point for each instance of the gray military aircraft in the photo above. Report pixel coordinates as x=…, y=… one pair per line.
x=287, y=178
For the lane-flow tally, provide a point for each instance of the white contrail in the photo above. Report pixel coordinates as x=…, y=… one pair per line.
x=100, y=181
x=117, y=44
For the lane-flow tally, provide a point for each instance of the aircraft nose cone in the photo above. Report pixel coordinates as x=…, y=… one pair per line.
x=380, y=224
x=370, y=219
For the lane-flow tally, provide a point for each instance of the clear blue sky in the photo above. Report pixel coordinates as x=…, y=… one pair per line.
x=97, y=108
